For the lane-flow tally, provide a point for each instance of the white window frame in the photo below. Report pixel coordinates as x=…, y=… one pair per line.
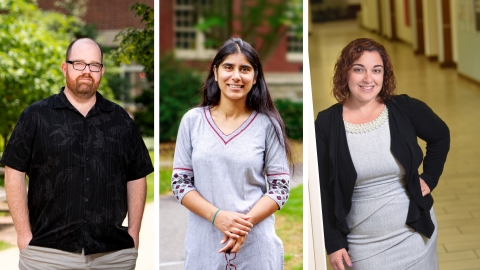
x=200, y=52
x=294, y=56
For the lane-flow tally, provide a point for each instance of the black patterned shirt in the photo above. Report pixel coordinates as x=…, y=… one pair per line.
x=78, y=169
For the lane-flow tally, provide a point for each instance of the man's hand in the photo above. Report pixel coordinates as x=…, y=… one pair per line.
x=136, y=237
x=24, y=240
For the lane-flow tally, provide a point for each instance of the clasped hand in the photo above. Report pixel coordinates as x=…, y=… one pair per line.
x=234, y=226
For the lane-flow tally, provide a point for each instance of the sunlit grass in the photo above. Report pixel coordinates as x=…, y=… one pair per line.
x=4, y=245
x=165, y=181
x=289, y=227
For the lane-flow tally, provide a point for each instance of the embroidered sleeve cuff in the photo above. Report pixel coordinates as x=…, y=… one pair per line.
x=279, y=188
x=182, y=182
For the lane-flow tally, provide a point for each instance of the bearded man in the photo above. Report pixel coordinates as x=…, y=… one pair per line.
x=86, y=164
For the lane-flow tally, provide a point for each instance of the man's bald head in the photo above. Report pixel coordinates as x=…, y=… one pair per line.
x=82, y=40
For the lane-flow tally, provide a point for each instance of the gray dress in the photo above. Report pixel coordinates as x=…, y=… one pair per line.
x=379, y=237
x=232, y=172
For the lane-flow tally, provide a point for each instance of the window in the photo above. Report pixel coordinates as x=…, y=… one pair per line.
x=294, y=47
x=189, y=41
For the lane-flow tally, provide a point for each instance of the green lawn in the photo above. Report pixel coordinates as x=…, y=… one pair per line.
x=165, y=181
x=289, y=227
x=4, y=245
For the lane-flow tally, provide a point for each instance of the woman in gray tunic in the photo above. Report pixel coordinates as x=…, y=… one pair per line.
x=231, y=167
x=377, y=210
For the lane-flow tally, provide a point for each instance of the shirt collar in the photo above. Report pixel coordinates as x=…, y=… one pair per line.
x=61, y=101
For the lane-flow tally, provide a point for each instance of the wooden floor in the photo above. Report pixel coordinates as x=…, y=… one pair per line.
x=455, y=99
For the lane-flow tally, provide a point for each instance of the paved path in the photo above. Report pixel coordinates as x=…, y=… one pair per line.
x=9, y=257
x=173, y=223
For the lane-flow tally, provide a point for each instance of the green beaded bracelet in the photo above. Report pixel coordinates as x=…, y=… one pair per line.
x=215, y=215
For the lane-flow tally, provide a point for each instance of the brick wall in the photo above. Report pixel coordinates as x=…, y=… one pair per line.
x=166, y=25
x=111, y=14
x=277, y=62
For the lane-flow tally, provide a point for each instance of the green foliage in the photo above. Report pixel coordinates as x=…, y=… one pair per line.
x=144, y=117
x=279, y=17
x=179, y=92
x=138, y=44
x=292, y=115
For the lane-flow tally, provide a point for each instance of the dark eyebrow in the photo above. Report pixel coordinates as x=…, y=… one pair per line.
x=242, y=66
x=364, y=66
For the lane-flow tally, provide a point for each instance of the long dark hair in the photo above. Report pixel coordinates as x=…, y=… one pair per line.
x=258, y=99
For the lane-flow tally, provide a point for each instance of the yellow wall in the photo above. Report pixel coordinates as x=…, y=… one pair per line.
x=403, y=32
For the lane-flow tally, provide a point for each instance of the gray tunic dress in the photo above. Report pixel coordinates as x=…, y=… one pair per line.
x=379, y=237
x=232, y=172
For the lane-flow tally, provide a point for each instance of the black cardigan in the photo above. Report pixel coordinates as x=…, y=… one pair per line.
x=409, y=118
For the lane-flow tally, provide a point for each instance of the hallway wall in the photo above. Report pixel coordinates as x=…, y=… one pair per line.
x=430, y=27
x=404, y=31
x=441, y=34
x=468, y=41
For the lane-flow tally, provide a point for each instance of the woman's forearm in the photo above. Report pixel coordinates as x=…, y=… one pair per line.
x=194, y=202
x=265, y=207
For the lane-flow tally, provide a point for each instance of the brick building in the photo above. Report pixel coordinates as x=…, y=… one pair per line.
x=178, y=34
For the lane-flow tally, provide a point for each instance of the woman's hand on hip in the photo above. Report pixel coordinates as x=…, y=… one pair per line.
x=338, y=257
x=232, y=224
x=233, y=245
x=424, y=187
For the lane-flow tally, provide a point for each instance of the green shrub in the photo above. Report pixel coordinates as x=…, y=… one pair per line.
x=144, y=117
x=292, y=115
x=179, y=92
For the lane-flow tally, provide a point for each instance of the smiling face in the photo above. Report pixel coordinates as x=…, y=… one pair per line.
x=235, y=77
x=365, y=77
x=83, y=84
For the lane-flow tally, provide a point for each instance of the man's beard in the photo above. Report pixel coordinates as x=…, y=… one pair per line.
x=84, y=90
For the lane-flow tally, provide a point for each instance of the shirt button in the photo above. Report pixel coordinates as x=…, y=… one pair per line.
x=88, y=179
x=86, y=199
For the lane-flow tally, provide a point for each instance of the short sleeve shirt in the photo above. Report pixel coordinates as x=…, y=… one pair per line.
x=78, y=168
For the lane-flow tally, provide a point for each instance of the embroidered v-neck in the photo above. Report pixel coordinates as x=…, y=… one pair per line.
x=227, y=138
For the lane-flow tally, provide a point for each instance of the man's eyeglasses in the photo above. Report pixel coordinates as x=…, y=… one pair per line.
x=230, y=265
x=80, y=66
